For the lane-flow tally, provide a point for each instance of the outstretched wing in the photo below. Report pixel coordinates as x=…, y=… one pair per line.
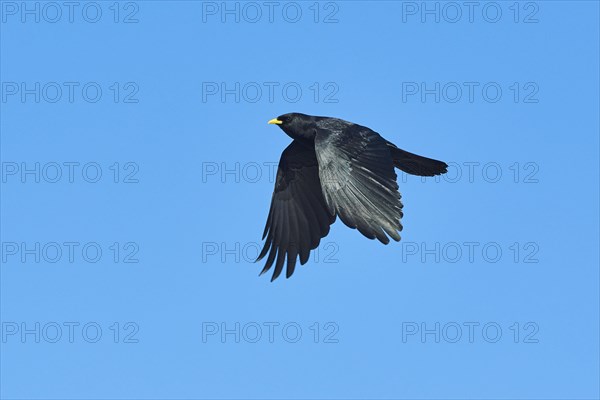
x=298, y=217
x=358, y=178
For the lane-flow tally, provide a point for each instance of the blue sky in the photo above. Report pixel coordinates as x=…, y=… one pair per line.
x=137, y=170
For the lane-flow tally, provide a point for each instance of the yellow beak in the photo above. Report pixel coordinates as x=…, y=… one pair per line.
x=275, y=121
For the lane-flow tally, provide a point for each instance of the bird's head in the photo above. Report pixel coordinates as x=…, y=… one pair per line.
x=296, y=125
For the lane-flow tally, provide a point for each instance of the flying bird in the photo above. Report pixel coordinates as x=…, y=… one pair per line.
x=334, y=168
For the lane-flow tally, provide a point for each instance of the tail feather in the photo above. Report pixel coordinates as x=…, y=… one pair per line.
x=416, y=165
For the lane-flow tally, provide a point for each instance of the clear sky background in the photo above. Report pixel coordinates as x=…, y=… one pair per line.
x=139, y=282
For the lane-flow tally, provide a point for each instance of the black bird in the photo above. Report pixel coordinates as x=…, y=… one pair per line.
x=334, y=167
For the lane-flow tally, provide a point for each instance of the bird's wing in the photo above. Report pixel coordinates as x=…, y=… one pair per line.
x=298, y=217
x=358, y=178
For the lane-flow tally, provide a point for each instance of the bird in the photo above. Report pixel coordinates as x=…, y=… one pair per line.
x=334, y=168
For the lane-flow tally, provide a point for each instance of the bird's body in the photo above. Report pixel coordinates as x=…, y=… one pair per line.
x=334, y=168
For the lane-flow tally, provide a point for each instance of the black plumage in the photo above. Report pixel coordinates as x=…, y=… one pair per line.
x=334, y=168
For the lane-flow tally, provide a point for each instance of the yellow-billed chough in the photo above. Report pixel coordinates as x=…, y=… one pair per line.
x=334, y=167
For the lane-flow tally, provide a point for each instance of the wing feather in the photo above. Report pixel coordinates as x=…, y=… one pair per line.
x=298, y=217
x=358, y=179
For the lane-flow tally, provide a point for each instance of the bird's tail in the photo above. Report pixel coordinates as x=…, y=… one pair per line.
x=416, y=165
